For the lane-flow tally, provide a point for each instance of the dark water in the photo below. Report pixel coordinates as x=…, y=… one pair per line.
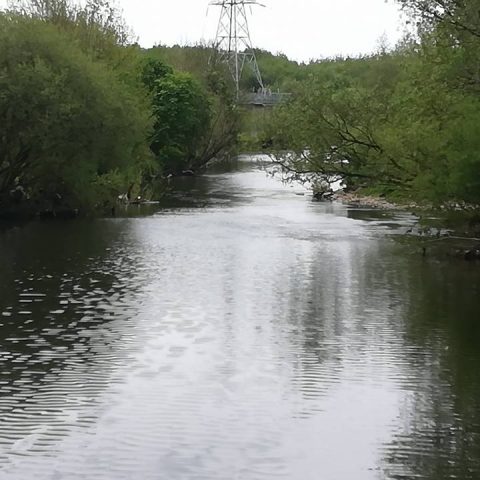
x=242, y=332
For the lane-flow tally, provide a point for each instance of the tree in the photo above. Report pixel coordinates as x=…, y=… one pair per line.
x=65, y=120
x=214, y=131
x=397, y=123
x=460, y=16
x=181, y=113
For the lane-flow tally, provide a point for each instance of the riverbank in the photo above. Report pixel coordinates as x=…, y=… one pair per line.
x=369, y=201
x=452, y=215
x=447, y=231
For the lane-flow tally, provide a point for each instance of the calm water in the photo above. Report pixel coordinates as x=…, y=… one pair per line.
x=241, y=332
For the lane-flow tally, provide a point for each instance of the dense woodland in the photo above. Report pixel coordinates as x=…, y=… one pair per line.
x=86, y=114
x=403, y=122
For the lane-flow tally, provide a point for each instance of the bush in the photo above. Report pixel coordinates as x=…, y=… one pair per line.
x=65, y=119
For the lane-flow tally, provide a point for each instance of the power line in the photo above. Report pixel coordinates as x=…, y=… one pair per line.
x=233, y=41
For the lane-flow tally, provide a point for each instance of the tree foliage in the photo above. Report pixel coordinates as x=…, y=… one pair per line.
x=182, y=115
x=85, y=114
x=458, y=16
x=403, y=122
x=205, y=119
x=65, y=120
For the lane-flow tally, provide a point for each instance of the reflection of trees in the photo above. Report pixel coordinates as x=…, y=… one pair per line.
x=214, y=189
x=62, y=301
x=440, y=437
x=353, y=309
x=341, y=308
x=359, y=310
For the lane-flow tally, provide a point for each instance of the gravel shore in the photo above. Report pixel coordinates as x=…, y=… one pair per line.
x=369, y=201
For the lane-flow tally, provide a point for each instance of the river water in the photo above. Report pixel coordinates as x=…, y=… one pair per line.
x=242, y=332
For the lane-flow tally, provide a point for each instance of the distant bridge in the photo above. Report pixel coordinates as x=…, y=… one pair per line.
x=263, y=99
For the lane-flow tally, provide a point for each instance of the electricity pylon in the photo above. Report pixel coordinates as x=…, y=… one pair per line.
x=233, y=39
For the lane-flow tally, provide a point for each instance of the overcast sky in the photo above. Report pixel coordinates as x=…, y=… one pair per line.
x=302, y=29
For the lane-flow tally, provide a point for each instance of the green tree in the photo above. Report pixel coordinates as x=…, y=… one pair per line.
x=203, y=122
x=181, y=113
x=402, y=123
x=66, y=121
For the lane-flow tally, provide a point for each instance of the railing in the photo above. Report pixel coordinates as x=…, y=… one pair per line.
x=263, y=99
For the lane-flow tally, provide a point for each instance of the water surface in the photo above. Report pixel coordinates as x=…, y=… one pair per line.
x=241, y=331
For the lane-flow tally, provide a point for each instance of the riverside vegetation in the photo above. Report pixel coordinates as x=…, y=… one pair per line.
x=86, y=114
x=404, y=122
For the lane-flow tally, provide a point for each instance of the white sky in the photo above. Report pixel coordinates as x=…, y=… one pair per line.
x=302, y=29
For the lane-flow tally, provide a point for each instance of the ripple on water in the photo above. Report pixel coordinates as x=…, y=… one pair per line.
x=264, y=337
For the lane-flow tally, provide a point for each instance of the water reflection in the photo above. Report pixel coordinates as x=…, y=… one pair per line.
x=259, y=336
x=439, y=437
x=64, y=295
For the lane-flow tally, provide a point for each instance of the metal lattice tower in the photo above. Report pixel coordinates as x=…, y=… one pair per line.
x=233, y=39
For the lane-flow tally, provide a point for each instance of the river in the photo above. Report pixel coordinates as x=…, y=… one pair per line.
x=239, y=331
